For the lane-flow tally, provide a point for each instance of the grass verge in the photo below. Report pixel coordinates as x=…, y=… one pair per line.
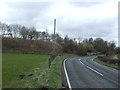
x=14, y=64
x=107, y=64
x=49, y=78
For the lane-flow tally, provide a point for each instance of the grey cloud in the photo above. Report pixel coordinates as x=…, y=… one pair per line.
x=86, y=4
x=38, y=14
x=25, y=13
x=91, y=28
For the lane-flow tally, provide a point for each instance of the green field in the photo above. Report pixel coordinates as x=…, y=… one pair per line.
x=25, y=64
x=14, y=65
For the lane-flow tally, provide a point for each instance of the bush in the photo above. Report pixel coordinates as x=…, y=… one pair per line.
x=111, y=61
x=29, y=46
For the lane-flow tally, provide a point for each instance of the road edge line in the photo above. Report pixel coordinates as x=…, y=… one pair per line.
x=68, y=81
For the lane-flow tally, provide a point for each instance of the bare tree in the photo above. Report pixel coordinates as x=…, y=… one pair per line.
x=24, y=32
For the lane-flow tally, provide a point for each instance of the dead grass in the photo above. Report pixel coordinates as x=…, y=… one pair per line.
x=29, y=46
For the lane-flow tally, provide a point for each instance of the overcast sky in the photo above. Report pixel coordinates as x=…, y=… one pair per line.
x=76, y=19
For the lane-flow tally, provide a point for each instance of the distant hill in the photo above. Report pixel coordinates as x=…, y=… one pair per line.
x=29, y=46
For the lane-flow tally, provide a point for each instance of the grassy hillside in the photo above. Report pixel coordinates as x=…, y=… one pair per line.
x=20, y=64
x=29, y=46
x=34, y=67
x=49, y=78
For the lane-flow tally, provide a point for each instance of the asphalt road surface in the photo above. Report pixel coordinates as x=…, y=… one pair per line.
x=86, y=73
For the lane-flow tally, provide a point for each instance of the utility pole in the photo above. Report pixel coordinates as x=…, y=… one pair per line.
x=54, y=26
x=46, y=35
x=54, y=44
x=54, y=37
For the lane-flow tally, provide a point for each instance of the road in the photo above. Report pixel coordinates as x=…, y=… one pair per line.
x=86, y=73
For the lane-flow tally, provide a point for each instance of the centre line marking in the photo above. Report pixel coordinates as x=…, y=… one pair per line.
x=94, y=70
x=81, y=63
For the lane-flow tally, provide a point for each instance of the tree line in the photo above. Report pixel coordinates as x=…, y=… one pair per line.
x=73, y=46
x=18, y=31
x=90, y=45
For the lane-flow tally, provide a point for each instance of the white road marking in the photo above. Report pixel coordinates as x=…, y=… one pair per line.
x=81, y=63
x=95, y=62
x=67, y=76
x=95, y=71
x=92, y=59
